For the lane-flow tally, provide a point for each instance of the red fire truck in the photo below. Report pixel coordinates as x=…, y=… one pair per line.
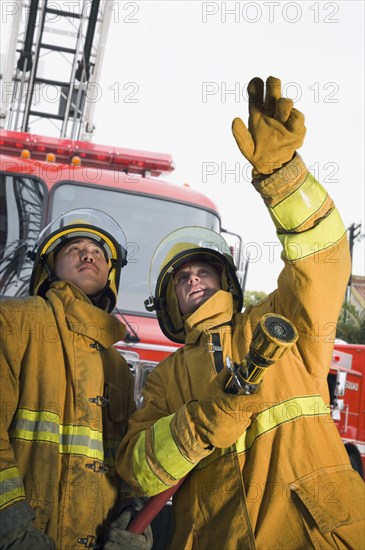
x=347, y=398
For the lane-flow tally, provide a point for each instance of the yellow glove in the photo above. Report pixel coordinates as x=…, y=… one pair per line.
x=218, y=419
x=275, y=129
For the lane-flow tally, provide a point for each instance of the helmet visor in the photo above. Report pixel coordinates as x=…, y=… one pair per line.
x=176, y=242
x=83, y=222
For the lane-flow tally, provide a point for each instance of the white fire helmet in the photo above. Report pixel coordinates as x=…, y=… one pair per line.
x=89, y=223
x=176, y=249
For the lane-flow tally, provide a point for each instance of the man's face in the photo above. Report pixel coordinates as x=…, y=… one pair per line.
x=83, y=263
x=195, y=282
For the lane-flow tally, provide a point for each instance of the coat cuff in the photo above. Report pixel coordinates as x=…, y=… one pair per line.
x=15, y=515
x=282, y=183
x=190, y=444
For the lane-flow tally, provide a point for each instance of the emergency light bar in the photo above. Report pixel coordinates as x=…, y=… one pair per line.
x=93, y=155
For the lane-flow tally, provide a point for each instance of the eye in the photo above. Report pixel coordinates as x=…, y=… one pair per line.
x=181, y=278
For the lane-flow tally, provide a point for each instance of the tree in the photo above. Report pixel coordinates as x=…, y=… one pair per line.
x=252, y=297
x=351, y=325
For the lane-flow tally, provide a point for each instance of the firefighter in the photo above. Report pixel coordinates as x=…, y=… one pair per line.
x=66, y=394
x=266, y=470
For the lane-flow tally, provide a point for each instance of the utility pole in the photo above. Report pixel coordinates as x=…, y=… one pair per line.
x=354, y=232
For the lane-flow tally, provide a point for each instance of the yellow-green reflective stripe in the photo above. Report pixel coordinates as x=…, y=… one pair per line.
x=146, y=478
x=273, y=417
x=11, y=486
x=34, y=416
x=166, y=451
x=300, y=205
x=322, y=236
x=270, y=419
x=45, y=426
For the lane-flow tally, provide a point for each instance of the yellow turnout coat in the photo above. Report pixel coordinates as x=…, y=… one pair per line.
x=66, y=396
x=287, y=482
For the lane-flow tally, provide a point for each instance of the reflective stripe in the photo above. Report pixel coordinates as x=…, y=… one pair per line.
x=322, y=236
x=287, y=411
x=167, y=454
x=11, y=486
x=265, y=421
x=45, y=426
x=300, y=205
x=166, y=451
x=270, y=419
x=145, y=477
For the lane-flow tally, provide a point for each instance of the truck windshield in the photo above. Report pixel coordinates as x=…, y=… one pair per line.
x=146, y=220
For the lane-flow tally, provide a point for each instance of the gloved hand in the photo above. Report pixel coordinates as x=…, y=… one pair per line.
x=26, y=536
x=120, y=539
x=275, y=129
x=218, y=419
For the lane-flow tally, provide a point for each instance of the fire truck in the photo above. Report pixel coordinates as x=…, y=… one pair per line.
x=347, y=399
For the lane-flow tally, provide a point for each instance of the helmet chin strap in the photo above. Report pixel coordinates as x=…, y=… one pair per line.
x=100, y=299
x=52, y=277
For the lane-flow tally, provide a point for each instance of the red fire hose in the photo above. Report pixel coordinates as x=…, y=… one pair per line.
x=144, y=517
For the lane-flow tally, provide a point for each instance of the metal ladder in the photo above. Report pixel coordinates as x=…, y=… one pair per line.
x=53, y=66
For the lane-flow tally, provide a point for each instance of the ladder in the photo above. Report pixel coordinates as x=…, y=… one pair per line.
x=53, y=66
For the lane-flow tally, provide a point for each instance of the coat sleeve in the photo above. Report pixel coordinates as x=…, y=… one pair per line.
x=159, y=448
x=14, y=509
x=316, y=259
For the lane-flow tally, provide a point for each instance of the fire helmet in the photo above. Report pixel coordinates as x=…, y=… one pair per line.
x=184, y=245
x=89, y=223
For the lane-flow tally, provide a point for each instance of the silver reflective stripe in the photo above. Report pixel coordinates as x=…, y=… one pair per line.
x=11, y=486
x=45, y=426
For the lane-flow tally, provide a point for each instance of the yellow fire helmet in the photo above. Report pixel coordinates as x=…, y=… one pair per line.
x=82, y=222
x=185, y=245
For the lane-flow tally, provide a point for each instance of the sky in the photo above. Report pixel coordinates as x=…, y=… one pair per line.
x=175, y=75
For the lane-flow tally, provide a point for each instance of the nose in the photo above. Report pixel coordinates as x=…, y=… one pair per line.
x=87, y=255
x=193, y=277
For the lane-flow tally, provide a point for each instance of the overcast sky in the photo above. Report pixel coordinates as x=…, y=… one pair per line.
x=186, y=66
x=175, y=75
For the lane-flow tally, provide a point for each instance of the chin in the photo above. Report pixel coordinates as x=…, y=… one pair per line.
x=90, y=291
x=198, y=304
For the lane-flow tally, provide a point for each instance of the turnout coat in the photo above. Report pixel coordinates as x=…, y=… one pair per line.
x=66, y=396
x=287, y=481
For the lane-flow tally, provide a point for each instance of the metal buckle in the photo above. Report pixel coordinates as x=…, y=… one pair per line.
x=99, y=400
x=212, y=348
x=88, y=541
x=97, y=467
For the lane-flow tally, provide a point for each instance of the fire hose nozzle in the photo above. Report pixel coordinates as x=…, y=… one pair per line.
x=272, y=338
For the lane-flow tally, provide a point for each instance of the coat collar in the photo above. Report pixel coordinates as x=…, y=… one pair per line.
x=83, y=317
x=217, y=310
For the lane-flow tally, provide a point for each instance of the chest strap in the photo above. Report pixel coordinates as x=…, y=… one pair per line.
x=216, y=349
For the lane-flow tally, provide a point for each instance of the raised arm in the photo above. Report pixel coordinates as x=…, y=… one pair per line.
x=315, y=250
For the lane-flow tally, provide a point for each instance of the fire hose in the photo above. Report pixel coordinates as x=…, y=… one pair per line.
x=272, y=338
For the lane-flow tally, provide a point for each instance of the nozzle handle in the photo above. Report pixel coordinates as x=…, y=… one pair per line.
x=272, y=338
